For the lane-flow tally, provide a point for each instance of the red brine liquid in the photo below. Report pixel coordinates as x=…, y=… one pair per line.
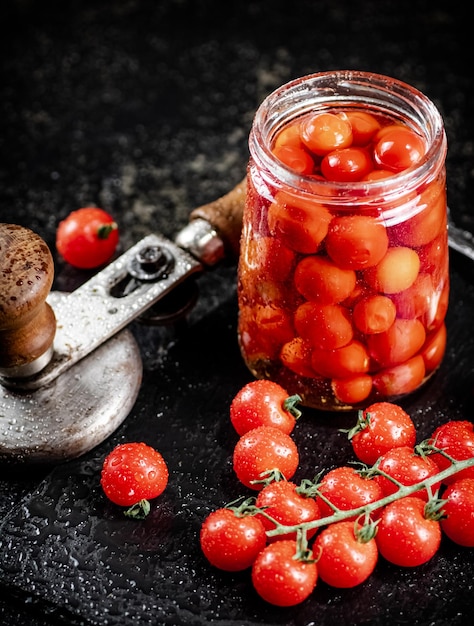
x=343, y=291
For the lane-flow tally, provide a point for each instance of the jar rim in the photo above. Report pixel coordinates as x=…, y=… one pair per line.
x=340, y=89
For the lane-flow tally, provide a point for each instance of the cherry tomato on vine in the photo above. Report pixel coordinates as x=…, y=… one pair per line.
x=87, y=238
x=408, y=468
x=262, y=450
x=344, y=557
x=405, y=536
x=231, y=541
x=132, y=474
x=381, y=427
x=264, y=403
x=287, y=503
x=458, y=508
x=280, y=578
x=346, y=489
x=456, y=438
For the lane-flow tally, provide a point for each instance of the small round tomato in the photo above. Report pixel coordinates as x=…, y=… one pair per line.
x=407, y=468
x=346, y=489
x=231, y=541
x=400, y=379
x=434, y=348
x=374, y=314
x=405, y=536
x=132, y=473
x=356, y=241
x=296, y=158
x=352, y=390
x=318, y=279
x=458, y=508
x=399, y=343
x=381, y=427
x=261, y=450
x=264, y=403
x=343, y=362
x=324, y=132
x=299, y=223
x=281, y=577
x=296, y=356
x=363, y=124
x=347, y=165
x=456, y=438
x=289, y=505
x=325, y=326
x=87, y=238
x=395, y=272
x=344, y=558
x=398, y=148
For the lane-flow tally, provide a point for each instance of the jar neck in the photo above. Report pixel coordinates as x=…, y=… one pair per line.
x=344, y=90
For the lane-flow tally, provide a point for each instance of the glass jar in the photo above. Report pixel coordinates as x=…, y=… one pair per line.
x=343, y=276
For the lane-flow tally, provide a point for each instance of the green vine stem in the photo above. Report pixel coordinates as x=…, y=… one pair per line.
x=339, y=515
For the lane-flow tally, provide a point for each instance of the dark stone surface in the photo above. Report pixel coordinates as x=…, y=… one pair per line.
x=144, y=108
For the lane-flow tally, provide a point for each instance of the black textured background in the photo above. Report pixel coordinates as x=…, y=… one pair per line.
x=143, y=107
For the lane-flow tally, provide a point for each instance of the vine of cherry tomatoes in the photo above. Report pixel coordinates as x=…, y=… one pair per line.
x=335, y=528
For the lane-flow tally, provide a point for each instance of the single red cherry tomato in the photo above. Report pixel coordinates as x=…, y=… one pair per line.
x=374, y=314
x=297, y=159
x=405, y=536
x=264, y=403
x=352, y=359
x=352, y=390
x=381, y=427
x=261, y=450
x=231, y=541
x=400, y=379
x=399, y=343
x=281, y=577
x=346, y=489
x=398, y=148
x=325, y=132
x=325, y=326
x=132, y=473
x=289, y=505
x=408, y=468
x=356, y=241
x=320, y=280
x=87, y=238
x=344, y=558
x=347, y=165
x=458, y=524
x=456, y=438
x=363, y=124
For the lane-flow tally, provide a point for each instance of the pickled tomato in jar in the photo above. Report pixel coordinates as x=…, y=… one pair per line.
x=343, y=279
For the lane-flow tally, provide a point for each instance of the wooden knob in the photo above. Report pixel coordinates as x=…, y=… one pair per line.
x=27, y=322
x=226, y=214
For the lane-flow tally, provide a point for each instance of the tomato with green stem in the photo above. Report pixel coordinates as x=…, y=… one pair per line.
x=132, y=474
x=87, y=238
x=260, y=452
x=232, y=537
x=346, y=553
x=458, y=509
x=409, y=532
x=264, y=403
x=344, y=488
x=380, y=427
x=456, y=439
x=284, y=574
x=288, y=504
x=405, y=466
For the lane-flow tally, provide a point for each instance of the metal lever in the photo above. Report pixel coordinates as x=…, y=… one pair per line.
x=91, y=314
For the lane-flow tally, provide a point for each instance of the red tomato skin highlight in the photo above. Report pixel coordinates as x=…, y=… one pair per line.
x=459, y=510
x=404, y=537
x=280, y=579
x=263, y=449
x=229, y=542
x=133, y=472
x=78, y=238
x=342, y=560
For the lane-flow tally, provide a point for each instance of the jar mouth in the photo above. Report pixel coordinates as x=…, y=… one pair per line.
x=349, y=89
